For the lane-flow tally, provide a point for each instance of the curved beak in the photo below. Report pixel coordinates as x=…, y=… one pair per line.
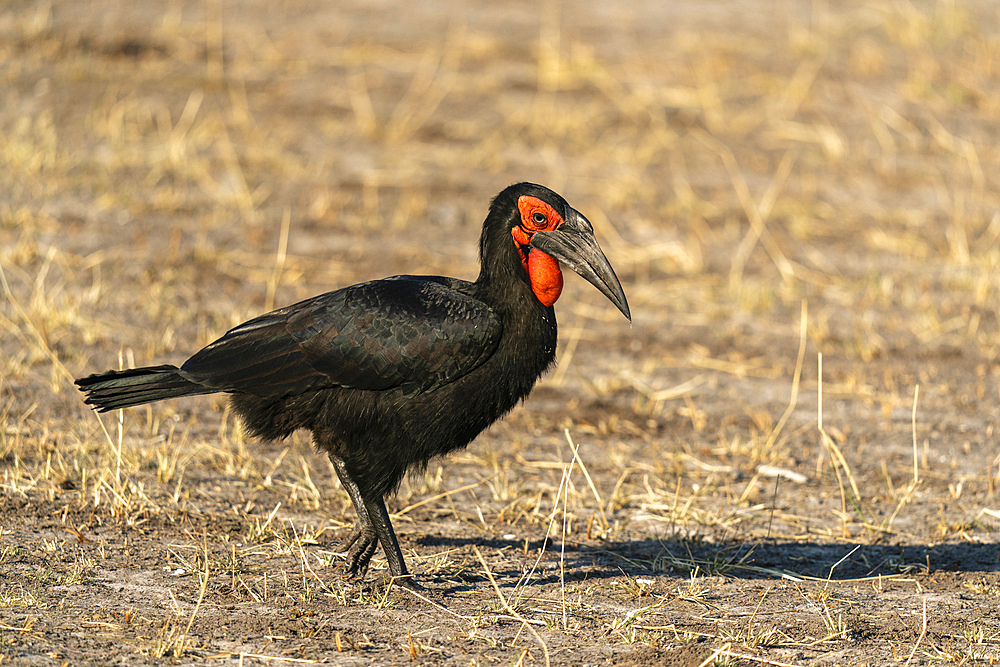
x=573, y=244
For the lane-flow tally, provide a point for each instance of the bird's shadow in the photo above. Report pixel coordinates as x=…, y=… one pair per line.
x=681, y=559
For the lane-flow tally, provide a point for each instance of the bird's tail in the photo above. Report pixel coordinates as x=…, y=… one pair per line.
x=135, y=386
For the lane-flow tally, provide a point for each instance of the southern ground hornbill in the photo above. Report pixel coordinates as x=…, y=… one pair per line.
x=389, y=373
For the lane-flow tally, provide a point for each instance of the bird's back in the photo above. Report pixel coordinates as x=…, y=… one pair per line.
x=408, y=332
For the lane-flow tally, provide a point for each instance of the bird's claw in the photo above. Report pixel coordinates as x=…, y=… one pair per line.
x=358, y=548
x=351, y=539
x=407, y=581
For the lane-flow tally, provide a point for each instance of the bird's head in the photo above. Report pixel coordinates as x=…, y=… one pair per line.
x=546, y=233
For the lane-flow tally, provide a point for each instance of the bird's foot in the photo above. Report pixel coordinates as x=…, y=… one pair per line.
x=348, y=541
x=358, y=548
x=407, y=581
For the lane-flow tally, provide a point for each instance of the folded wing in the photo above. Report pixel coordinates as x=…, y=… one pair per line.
x=412, y=332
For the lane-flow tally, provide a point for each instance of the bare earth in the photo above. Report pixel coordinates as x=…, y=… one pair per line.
x=773, y=181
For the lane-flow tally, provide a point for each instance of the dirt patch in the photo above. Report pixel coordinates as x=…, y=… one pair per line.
x=771, y=186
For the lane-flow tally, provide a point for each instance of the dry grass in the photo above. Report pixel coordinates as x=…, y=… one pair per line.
x=813, y=181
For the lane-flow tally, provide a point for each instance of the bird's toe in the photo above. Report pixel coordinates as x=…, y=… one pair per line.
x=349, y=541
x=407, y=581
x=360, y=553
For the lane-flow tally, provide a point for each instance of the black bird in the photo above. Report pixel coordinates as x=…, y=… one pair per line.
x=389, y=373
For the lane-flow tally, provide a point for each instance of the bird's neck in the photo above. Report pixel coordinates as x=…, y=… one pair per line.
x=530, y=334
x=505, y=286
x=530, y=323
x=503, y=282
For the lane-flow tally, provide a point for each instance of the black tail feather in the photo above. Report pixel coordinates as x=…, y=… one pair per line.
x=135, y=386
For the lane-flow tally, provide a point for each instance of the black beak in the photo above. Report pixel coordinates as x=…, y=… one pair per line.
x=573, y=244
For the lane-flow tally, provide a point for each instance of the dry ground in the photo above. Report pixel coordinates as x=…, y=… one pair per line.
x=774, y=181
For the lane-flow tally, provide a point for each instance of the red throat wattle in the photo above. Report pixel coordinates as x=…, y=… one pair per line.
x=543, y=270
x=546, y=277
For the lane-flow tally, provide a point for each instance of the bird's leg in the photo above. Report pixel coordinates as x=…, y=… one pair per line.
x=379, y=517
x=372, y=528
x=360, y=544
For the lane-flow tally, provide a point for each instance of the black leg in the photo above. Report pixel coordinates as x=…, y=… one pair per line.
x=360, y=544
x=379, y=517
x=372, y=528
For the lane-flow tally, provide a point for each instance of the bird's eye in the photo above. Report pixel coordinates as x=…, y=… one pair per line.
x=539, y=218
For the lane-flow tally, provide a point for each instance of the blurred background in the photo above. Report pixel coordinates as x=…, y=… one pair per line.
x=171, y=168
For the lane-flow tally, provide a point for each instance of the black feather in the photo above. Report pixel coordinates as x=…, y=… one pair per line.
x=135, y=386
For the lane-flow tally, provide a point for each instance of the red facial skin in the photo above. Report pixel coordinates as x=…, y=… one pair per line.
x=543, y=270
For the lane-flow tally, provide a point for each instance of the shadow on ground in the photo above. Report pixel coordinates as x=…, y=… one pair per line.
x=762, y=560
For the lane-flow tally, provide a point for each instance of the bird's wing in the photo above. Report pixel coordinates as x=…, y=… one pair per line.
x=417, y=333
